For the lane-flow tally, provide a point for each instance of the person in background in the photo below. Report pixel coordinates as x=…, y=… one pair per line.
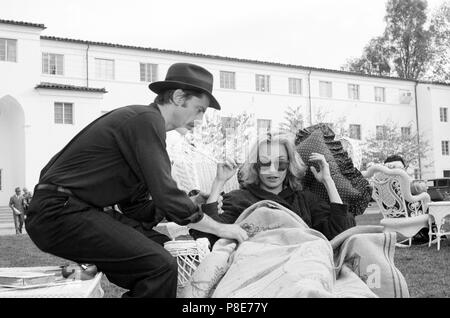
x=16, y=205
x=416, y=187
x=396, y=161
x=27, y=196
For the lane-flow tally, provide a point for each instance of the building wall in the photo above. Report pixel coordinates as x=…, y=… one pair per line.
x=17, y=96
x=44, y=138
x=431, y=98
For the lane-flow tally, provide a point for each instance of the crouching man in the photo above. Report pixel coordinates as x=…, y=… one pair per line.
x=121, y=159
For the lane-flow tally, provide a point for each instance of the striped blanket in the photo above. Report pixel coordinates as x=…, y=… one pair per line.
x=285, y=258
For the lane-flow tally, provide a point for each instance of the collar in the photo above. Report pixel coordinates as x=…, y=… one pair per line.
x=283, y=198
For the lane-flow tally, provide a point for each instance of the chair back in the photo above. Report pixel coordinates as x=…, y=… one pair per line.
x=392, y=192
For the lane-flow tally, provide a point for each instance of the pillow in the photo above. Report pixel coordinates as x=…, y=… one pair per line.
x=353, y=188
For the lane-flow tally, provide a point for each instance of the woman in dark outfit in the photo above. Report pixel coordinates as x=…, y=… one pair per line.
x=275, y=174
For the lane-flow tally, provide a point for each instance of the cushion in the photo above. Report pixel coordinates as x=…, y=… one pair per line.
x=353, y=188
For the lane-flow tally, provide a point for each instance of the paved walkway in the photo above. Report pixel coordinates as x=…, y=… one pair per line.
x=7, y=222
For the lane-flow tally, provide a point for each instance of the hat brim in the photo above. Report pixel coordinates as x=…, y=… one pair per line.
x=161, y=86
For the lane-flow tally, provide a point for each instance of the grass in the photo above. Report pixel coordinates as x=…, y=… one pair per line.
x=426, y=270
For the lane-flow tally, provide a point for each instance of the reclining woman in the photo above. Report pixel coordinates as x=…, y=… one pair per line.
x=276, y=175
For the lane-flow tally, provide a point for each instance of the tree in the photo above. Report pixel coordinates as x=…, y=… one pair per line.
x=224, y=136
x=293, y=120
x=409, y=41
x=408, y=145
x=374, y=60
x=338, y=125
x=439, y=69
x=407, y=49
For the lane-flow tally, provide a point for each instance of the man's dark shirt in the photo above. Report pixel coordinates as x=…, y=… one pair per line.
x=121, y=158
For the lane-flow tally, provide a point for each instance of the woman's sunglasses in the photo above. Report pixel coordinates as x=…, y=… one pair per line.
x=280, y=165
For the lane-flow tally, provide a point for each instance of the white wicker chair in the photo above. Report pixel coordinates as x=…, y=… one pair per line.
x=402, y=212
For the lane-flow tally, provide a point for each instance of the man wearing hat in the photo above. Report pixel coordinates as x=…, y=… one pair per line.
x=121, y=159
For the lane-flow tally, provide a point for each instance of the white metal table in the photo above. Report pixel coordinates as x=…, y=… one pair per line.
x=438, y=211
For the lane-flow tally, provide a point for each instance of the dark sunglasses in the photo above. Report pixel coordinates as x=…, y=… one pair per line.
x=280, y=165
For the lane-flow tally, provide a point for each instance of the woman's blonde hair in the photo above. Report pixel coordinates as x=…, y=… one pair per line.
x=249, y=171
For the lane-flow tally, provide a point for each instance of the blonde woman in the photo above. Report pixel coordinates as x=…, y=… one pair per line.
x=274, y=171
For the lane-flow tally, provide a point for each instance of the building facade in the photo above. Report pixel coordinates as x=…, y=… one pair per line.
x=50, y=88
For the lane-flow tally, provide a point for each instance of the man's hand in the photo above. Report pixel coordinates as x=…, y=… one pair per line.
x=16, y=212
x=233, y=231
x=200, y=198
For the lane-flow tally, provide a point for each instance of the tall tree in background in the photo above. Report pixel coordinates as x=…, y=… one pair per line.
x=408, y=39
x=374, y=60
x=439, y=69
x=408, y=49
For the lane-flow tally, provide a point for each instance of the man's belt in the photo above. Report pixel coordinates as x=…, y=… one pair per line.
x=53, y=187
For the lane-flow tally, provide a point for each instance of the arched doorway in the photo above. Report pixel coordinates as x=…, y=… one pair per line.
x=12, y=147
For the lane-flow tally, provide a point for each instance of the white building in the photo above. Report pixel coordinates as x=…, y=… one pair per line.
x=50, y=88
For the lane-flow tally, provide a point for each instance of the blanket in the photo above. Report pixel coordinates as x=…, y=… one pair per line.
x=284, y=258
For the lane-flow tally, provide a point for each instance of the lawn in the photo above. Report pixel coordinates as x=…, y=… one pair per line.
x=426, y=270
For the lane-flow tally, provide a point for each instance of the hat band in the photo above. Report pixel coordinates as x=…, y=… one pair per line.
x=206, y=85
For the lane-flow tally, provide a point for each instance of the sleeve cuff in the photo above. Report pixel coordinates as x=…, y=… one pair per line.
x=197, y=216
x=339, y=208
x=210, y=209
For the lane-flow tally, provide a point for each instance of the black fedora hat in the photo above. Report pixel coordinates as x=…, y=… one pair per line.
x=187, y=76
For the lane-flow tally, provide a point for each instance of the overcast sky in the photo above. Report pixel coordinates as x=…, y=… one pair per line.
x=320, y=33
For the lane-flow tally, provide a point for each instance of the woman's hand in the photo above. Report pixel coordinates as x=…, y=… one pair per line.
x=324, y=177
x=226, y=170
x=324, y=174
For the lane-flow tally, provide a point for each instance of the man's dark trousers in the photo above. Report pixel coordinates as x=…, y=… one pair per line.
x=130, y=256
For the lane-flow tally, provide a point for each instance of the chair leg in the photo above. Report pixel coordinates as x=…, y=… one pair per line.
x=410, y=242
x=438, y=241
x=430, y=236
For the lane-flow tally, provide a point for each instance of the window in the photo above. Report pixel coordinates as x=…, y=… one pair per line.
x=104, y=69
x=227, y=80
x=148, y=72
x=381, y=132
x=406, y=132
x=263, y=125
x=325, y=89
x=445, y=151
x=52, y=64
x=443, y=114
x=8, y=50
x=262, y=83
x=353, y=91
x=355, y=131
x=63, y=113
x=405, y=96
x=380, y=94
x=446, y=175
x=295, y=86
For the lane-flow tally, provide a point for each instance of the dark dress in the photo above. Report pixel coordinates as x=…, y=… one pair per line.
x=327, y=218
